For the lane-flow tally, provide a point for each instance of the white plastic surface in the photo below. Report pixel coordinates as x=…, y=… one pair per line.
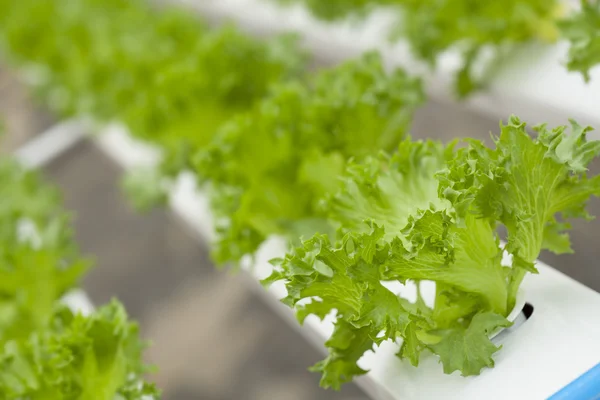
x=48, y=145
x=557, y=344
x=532, y=82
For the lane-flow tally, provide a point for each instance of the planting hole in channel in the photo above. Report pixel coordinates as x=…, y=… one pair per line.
x=523, y=316
x=527, y=310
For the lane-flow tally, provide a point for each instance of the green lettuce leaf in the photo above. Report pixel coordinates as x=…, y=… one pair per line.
x=469, y=349
x=346, y=346
x=388, y=189
x=31, y=282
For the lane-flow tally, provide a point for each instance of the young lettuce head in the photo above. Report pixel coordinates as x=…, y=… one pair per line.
x=77, y=357
x=582, y=29
x=431, y=212
x=47, y=351
x=38, y=261
x=268, y=167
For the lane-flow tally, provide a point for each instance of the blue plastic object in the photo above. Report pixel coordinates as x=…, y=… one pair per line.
x=586, y=387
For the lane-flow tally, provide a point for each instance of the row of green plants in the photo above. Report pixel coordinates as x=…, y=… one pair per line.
x=163, y=73
x=213, y=94
x=324, y=159
x=432, y=27
x=48, y=350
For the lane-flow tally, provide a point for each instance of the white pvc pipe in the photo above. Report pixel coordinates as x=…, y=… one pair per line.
x=50, y=144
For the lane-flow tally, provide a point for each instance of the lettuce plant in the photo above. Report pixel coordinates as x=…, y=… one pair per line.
x=38, y=261
x=268, y=167
x=77, y=357
x=47, y=351
x=431, y=212
x=583, y=31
